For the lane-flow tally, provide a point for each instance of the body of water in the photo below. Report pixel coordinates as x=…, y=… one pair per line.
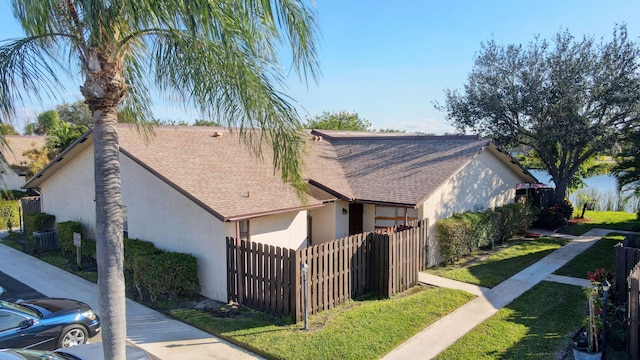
x=601, y=190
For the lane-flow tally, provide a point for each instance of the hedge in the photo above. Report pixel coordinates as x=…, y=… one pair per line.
x=65, y=232
x=168, y=273
x=134, y=249
x=462, y=234
x=38, y=222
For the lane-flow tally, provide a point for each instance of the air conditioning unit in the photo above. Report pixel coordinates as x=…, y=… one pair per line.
x=48, y=240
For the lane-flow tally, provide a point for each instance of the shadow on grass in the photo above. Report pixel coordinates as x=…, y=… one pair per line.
x=538, y=324
x=505, y=262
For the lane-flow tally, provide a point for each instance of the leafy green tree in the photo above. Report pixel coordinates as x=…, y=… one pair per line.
x=567, y=102
x=46, y=121
x=343, y=120
x=392, y=131
x=7, y=129
x=202, y=122
x=76, y=113
x=627, y=170
x=62, y=136
x=221, y=56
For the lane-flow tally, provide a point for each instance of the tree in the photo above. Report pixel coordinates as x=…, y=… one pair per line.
x=221, y=57
x=7, y=129
x=567, y=102
x=76, y=113
x=46, y=121
x=62, y=136
x=203, y=122
x=343, y=120
x=627, y=170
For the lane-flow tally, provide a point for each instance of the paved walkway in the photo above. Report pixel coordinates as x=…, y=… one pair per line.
x=156, y=333
x=444, y=332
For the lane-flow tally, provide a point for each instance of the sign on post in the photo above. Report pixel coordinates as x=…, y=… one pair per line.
x=77, y=242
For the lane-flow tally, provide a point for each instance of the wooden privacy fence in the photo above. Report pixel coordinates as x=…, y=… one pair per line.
x=269, y=278
x=633, y=325
x=627, y=256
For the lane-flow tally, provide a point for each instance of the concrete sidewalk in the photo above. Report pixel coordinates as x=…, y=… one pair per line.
x=444, y=332
x=156, y=333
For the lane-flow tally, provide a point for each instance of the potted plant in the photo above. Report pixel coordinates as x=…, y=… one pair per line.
x=588, y=343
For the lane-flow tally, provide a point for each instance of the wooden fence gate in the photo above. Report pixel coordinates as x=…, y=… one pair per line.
x=627, y=256
x=633, y=325
x=268, y=278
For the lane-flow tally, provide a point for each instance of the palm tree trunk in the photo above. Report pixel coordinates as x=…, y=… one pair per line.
x=109, y=245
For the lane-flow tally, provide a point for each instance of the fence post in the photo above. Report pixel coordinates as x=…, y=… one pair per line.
x=296, y=302
x=633, y=324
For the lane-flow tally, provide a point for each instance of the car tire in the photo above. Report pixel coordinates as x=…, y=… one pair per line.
x=72, y=335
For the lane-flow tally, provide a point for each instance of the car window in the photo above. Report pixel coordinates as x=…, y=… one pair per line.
x=22, y=308
x=10, y=320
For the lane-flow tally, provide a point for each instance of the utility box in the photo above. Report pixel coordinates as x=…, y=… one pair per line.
x=47, y=240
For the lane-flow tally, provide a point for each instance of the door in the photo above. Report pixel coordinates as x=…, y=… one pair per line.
x=355, y=218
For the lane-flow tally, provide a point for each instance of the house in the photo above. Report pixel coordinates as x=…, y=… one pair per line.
x=190, y=187
x=13, y=163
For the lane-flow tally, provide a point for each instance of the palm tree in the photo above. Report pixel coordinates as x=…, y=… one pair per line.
x=221, y=57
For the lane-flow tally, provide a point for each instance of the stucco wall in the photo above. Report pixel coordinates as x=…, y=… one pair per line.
x=342, y=220
x=485, y=182
x=69, y=193
x=287, y=230
x=158, y=213
x=323, y=226
x=9, y=179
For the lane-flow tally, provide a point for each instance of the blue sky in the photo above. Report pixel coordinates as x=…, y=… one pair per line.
x=390, y=60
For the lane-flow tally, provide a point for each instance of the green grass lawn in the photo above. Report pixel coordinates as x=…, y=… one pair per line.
x=616, y=220
x=600, y=255
x=356, y=330
x=501, y=264
x=540, y=324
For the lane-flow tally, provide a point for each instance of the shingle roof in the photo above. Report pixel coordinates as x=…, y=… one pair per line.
x=17, y=145
x=218, y=172
x=399, y=168
x=220, y=175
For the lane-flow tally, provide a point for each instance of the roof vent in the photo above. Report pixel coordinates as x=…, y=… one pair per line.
x=217, y=134
x=317, y=138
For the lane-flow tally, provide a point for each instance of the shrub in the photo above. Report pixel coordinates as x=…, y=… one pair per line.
x=555, y=216
x=453, y=236
x=513, y=219
x=134, y=249
x=65, y=232
x=9, y=214
x=169, y=273
x=38, y=222
x=88, y=250
x=482, y=229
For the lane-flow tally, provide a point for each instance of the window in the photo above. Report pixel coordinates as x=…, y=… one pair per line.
x=10, y=320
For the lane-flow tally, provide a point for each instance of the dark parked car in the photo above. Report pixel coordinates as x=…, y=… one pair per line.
x=47, y=323
x=81, y=352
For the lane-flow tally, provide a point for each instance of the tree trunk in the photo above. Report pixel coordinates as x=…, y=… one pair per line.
x=109, y=245
x=560, y=193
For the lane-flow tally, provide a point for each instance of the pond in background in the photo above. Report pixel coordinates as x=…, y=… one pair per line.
x=602, y=190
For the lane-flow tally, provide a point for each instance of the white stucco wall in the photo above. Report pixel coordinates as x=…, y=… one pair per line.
x=69, y=193
x=323, y=226
x=342, y=220
x=486, y=182
x=369, y=218
x=158, y=213
x=287, y=230
x=9, y=179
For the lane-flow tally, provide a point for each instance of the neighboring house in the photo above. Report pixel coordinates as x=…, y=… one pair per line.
x=190, y=187
x=13, y=163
